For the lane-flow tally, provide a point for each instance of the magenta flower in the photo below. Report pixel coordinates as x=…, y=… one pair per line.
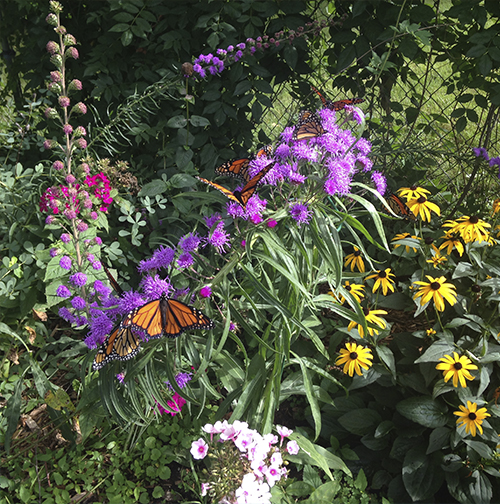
x=65, y=262
x=206, y=292
x=300, y=213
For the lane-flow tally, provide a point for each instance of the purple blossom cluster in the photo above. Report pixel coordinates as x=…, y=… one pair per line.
x=177, y=401
x=482, y=152
x=215, y=64
x=260, y=458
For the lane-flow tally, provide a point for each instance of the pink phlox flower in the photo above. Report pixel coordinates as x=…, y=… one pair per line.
x=292, y=447
x=271, y=439
x=204, y=489
x=199, y=449
x=258, y=451
x=283, y=432
x=229, y=433
x=243, y=441
x=273, y=474
x=210, y=429
x=276, y=459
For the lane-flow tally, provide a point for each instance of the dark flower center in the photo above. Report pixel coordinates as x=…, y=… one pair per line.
x=472, y=416
x=357, y=253
x=428, y=240
x=382, y=274
x=348, y=287
x=474, y=219
x=476, y=288
x=413, y=187
x=435, y=285
x=353, y=355
x=366, y=311
x=457, y=366
x=422, y=199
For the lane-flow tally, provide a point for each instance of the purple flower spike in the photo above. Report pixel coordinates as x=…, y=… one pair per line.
x=300, y=213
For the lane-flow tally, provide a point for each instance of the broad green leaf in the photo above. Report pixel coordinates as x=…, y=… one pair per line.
x=423, y=410
x=360, y=421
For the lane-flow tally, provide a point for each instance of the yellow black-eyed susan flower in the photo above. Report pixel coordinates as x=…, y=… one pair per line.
x=402, y=236
x=423, y=207
x=471, y=229
x=438, y=290
x=457, y=367
x=384, y=280
x=452, y=241
x=413, y=192
x=436, y=258
x=354, y=357
x=355, y=289
x=471, y=417
x=370, y=316
x=355, y=260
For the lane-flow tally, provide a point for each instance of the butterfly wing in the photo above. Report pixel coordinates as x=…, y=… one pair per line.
x=246, y=193
x=340, y=104
x=309, y=126
x=223, y=190
x=322, y=98
x=267, y=151
x=113, y=281
x=146, y=318
x=235, y=168
x=179, y=317
x=399, y=207
x=122, y=344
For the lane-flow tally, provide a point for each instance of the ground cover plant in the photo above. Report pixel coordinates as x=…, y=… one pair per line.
x=311, y=285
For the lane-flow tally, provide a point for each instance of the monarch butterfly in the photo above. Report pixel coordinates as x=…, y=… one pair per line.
x=308, y=126
x=165, y=317
x=399, y=207
x=337, y=105
x=239, y=167
x=246, y=193
x=122, y=344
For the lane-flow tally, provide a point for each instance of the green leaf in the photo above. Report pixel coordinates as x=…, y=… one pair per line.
x=439, y=438
x=291, y=56
x=13, y=412
x=126, y=38
x=242, y=87
x=324, y=494
x=119, y=27
x=480, y=448
x=198, y=121
x=387, y=357
x=424, y=411
x=153, y=188
x=360, y=421
x=177, y=122
x=421, y=474
x=437, y=350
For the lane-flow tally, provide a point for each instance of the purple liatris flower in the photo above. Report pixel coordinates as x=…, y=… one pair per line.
x=154, y=287
x=65, y=262
x=190, y=242
x=185, y=260
x=212, y=219
x=78, y=303
x=380, y=182
x=300, y=213
x=480, y=152
x=63, y=292
x=78, y=279
x=219, y=238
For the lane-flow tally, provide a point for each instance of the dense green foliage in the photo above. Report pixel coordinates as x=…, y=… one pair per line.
x=168, y=129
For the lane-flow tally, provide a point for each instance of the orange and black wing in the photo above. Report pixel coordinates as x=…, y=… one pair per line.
x=399, y=207
x=167, y=317
x=235, y=168
x=226, y=192
x=246, y=193
x=322, y=98
x=113, y=281
x=309, y=126
x=340, y=104
x=122, y=344
x=267, y=151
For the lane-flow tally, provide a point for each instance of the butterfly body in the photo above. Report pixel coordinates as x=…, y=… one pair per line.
x=166, y=317
x=240, y=196
x=337, y=105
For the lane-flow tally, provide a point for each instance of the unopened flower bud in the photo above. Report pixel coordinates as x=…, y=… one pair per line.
x=51, y=113
x=79, y=108
x=68, y=129
x=72, y=52
x=60, y=30
x=48, y=144
x=56, y=60
x=80, y=131
x=56, y=76
x=75, y=85
x=64, y=101
x=69, y=40
x=85, y=168
x=55, y=6
x=55, y=87
x=52, y=47
x=70, y=179
x=51, y=19
x=82, y=143
x=58, y=165
x=187, y=69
